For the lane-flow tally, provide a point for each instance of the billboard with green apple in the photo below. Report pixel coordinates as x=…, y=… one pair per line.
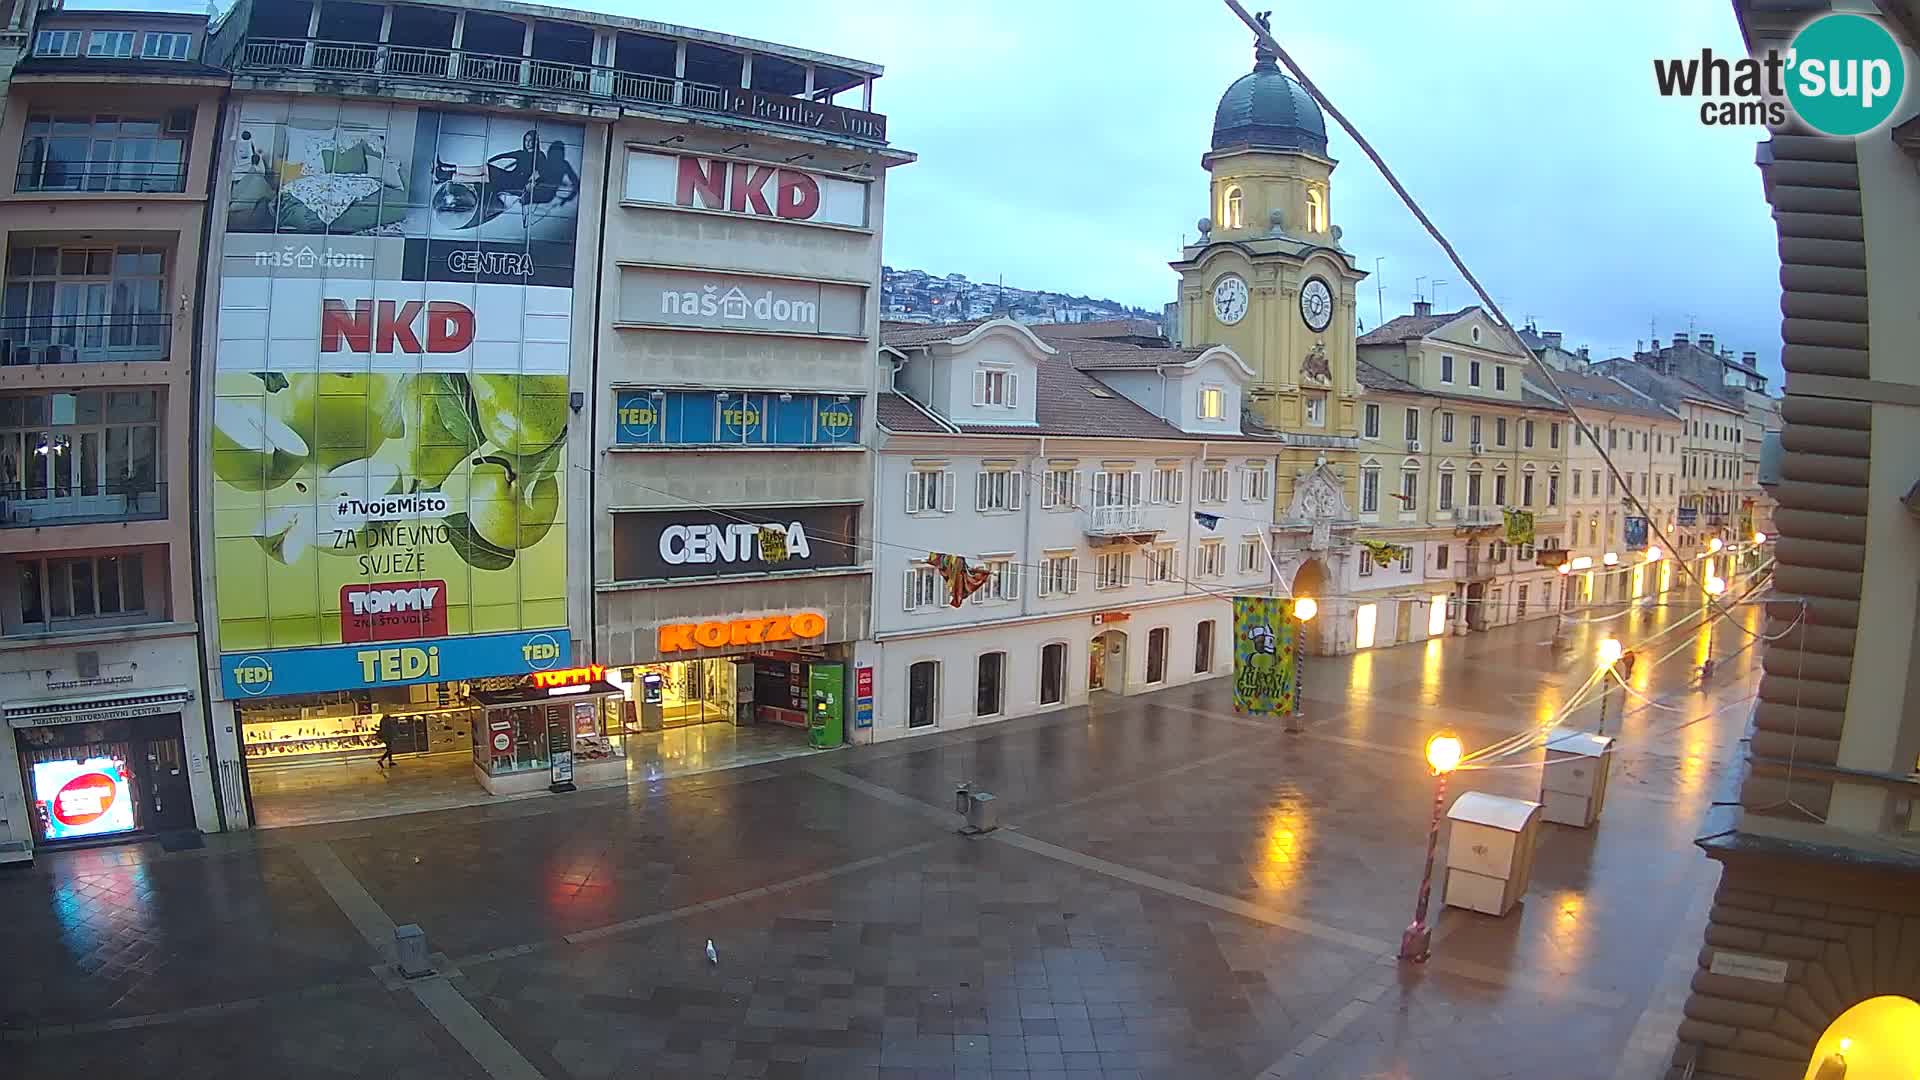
x=391, y=396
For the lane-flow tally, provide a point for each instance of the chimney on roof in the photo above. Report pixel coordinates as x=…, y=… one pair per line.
x=1655, y=347
x=1553, y=338
x=1422, y=308
x=1586, y=355
x=1679, y=340
x=1706, y=342
x=1749, y=358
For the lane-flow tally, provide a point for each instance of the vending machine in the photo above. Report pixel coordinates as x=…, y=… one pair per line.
x=827, y=714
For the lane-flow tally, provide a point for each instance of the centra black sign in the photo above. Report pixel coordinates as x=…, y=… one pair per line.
x=657, y=545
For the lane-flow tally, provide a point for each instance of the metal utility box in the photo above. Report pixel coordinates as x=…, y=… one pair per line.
x=1573, y=783
x=1490, y=851
x=827, y=719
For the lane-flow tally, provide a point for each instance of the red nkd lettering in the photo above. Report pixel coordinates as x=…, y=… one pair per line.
x=799, y=196
x=749, y=191
x=387, y=326
x=701, y=183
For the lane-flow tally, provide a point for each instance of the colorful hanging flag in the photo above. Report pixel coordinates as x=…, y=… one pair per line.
x=773, y=544
x=1519, y=526
x=1208, y=522
x=962, y=580
x=1264, y=661
x=1383, y=553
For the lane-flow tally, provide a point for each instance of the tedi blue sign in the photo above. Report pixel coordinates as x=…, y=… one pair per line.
x=275, y=672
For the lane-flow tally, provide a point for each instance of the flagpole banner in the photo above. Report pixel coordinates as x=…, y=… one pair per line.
x=1264, y=682
x=1519, y=526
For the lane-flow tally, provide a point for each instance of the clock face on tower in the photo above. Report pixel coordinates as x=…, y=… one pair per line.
x=1230, y=299
x=1316, y=304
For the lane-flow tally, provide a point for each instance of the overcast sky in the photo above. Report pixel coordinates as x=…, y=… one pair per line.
x=1060, y=145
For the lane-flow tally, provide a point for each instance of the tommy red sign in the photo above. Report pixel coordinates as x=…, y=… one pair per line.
x=388, y=326
x=393, y=611
x=754, y=189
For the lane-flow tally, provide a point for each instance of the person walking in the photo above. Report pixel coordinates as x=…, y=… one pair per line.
x=386, y=739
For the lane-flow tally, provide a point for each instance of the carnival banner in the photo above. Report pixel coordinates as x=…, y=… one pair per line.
x=1636, y=532
x=1519, y=526
x=1265, y=656
x=1383, y=553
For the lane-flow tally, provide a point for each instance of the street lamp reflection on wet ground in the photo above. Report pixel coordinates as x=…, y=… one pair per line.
x=1443, y=756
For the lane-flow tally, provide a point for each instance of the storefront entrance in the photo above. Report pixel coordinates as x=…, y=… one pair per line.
x=91, y=782
x=1107, y=662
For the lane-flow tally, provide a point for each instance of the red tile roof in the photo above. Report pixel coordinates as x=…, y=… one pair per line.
x=1402, y=327
x=907, y=334
x=898, y=414
x=1101, y=328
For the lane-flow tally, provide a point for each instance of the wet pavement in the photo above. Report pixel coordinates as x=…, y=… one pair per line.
x=1176, y=891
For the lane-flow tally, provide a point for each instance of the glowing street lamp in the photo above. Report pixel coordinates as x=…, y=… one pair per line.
x=1759, y=537
x=1443, y=756
x=1611, y=558
x=1654, y=554
x=1610, y=653
x=1715, y=586
x=1304, y=609
x=1715, y=544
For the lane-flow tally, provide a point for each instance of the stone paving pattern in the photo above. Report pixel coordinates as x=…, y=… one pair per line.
x=1176, y=892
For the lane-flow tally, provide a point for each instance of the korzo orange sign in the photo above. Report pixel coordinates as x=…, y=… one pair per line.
x=767, y=630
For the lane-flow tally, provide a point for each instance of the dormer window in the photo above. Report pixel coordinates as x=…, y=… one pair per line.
x=1235, y=212
x=111, y=44
x=57, y=43
x=995, y=387
x=1316, y=210
x=1213, y=403
x=158, y=46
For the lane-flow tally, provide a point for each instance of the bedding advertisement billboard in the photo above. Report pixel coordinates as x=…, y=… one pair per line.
x=388, y=444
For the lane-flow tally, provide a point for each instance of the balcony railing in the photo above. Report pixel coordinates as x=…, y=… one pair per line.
x=86, y=176
x=1472, y=568
x=555, y=77
x=1114, y=521
x=1478, y=517
x=79, y=339
x=36, y=505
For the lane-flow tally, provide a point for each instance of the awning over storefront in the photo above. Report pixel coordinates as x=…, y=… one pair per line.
x=94, y=708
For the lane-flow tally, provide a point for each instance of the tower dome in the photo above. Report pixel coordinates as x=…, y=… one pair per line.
x=1266, y=110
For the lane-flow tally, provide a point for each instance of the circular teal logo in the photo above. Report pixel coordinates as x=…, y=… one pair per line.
x=1845, y=74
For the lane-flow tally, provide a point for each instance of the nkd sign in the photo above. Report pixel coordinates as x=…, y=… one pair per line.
x=745, y=187
x=650, y=296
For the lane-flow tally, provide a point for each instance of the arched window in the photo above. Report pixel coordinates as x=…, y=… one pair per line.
x=1316, y=210
x=1236, y=213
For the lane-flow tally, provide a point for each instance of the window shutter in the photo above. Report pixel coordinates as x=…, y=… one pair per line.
x=913, y=491
x=1013, y=581
x=1073, y=575
x=981, y=481
x=946, y=490
x=1013, y=389
x=979, y=386
x=907, y=597
x=1133, y=493
x=1016, y=484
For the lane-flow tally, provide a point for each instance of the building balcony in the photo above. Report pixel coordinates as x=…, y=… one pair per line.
x=1106, y=524
x=87, y=177
x=36, y=507
x=462, y=70
x=1477, y=517
x=77, y=339
x=1472, y=568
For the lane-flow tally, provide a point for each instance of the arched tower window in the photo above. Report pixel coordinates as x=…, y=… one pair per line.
x=1236, y=214
x=1316, y=210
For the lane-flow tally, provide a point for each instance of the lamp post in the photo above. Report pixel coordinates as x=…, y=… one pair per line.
x=1443, y=755
x=1610, y=653
x=1715, y=586
x=1304, y=608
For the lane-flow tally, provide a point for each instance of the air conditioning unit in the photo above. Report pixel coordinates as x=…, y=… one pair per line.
x=1476, y=446
x=1413, y=446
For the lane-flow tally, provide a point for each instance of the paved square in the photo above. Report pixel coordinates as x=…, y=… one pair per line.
x=1176, y=892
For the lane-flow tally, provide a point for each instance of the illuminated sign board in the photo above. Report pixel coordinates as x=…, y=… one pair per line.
x=764, y=630
x=352, y=667
x=734, y=418
x=573, y=676
x=82, y=798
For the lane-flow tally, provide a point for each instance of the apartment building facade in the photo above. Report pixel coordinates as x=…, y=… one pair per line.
x=106, y=154
x=1453, y=440
x=491, y=274
x=1606, y=543
x=1107, y=495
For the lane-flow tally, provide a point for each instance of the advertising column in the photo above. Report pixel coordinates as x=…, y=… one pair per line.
x=392, y=401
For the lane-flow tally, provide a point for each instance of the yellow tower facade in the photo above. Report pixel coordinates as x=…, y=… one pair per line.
x=1270, y=279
